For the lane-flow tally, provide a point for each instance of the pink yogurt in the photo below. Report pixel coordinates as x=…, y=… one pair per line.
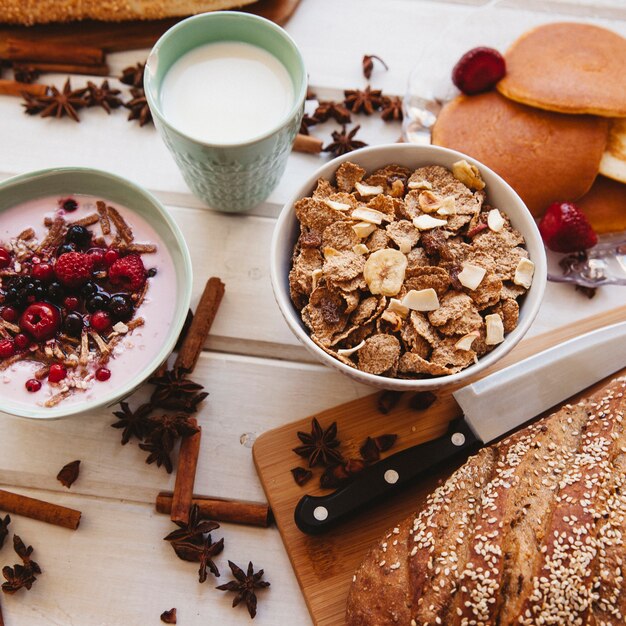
x=139, y=347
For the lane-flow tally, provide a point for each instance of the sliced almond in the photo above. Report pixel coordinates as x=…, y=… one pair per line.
x=121, y=329
x=397, y=306
x=465, y=342
x=368, y=190
x=316, y=275
x=495, y=329
x=360, y=248
x=349, y=351
x=422, y=300
x=468, y=174
x=429, y=202
x=471, y=275
x=363, y=229
x=426, y=222
x=338, y=206
x=384, y=271
x=495, y=221
x=524, y=273
x=448, y=207
x=419, y=184
x=368, y=215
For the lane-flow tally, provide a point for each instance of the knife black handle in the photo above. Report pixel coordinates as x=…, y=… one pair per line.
x=317, y=514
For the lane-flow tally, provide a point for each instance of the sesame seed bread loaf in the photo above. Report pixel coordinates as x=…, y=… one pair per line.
x=43, y=11
x=529, y=531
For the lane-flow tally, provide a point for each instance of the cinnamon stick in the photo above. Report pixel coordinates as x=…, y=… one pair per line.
x=1, y=619
x=102, y=69
x=186, y=475
x=201, y=325
x=14, y=88
x=222, y=510
x=307, y=143
x=50, y=52
x=39, y=510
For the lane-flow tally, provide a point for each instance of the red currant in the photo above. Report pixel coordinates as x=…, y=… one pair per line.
x=98, y=256
x=110, y=256
x=22, y=342
x=7, y=349
x=33, y=385
x=57, y=373
x=71, y=303
x=9, y=314
x=5, y=258
x=100, y=321
x=102, y=374
x=43, y=271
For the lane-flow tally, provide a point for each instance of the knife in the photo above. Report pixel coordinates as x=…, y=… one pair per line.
x=492, y=407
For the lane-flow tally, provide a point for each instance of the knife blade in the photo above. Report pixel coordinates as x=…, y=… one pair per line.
x=492, y=407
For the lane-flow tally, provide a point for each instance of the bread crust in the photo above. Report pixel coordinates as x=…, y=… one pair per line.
x=29, y=12
x=529, y=531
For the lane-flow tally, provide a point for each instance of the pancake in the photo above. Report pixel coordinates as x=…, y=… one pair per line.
x=613, y=163
x=568, y=68
x=605, y=205
x=544, y=156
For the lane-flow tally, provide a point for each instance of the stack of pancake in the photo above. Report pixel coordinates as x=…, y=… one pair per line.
x=555, y=128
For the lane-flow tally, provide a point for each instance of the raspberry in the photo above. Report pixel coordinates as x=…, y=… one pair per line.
x=478, y=70
x=100, y=321
x=41, y=321
x=71, y=303
x=33, y=385
x=110, y=256
x=97, y=254
x=128, y=273
x=565, y=228
x=102, y=374
x=74, y=268
x=43, y=272
x=5, y=258
x=57, y=373
x=7, y=349
x=21, y=341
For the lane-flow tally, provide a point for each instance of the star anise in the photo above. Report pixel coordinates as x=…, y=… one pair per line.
x=344, y=142
x=192, y=530
x=138, y=105
x=158, y=454
x=327, y=109
x=202, y=552
x=391, y=110
x=25, y=74
x=135, y=423
x=103, y=96
x=4, y=529
x=366, y=101
x=61, y=103
x=17, y=577
x=175, y=391
x=167, y=429
x=32, y=104
x=24, y=553
x=133, y=75
x=307, y=120
x=244, y=585
x=368, y=64
x=319, y=446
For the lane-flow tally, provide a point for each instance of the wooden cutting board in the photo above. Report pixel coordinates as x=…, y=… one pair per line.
x=324, y=565
x=116, y=36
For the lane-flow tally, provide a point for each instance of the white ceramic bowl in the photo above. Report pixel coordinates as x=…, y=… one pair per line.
x=499, y=194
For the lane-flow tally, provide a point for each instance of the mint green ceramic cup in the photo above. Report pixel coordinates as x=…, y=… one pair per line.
x=231, y=177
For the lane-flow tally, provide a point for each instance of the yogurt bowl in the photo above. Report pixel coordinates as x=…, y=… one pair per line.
x=95, y=287
x=411, y=157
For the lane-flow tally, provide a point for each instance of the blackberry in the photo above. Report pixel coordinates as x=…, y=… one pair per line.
x=78, y=235
x=98, y=302
x=66, y=247
x=121, y=307
x=89, y=289
x=20, y=290
x=70, y=205
x=73, y=324
x=55, y=292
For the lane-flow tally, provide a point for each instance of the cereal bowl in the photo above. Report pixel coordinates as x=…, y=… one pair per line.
x=95, y=290
x=499, y=194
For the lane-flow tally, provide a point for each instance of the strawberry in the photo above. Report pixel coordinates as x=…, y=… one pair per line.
x=478, y=70
x=128, y=273
x=565, y=228
x=74, y=268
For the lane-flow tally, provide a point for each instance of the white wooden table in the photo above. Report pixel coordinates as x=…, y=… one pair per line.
x=116, y=569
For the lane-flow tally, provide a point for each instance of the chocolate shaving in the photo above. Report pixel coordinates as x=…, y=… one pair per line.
x=369, y=451
x=88, y=220
x=169, y=617
x=301, y=475
x=387, y=400
x=385, y=442
x=26, y=235
x=120, y=224
x=69, y=473
x=140, y=248
x=422, y=400
x=103, y=215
